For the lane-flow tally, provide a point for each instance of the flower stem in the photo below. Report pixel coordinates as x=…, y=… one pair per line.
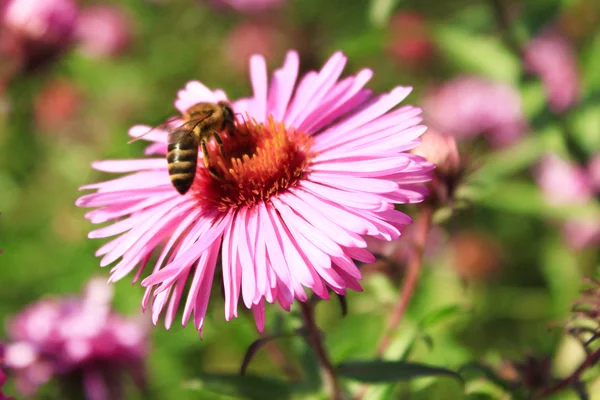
x=501, y=14
x=328, y=372
x=413, y=269
x=591, y=360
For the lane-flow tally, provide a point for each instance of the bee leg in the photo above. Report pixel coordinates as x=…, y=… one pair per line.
x=212, y=171
x=205, y=153
x=220, y=144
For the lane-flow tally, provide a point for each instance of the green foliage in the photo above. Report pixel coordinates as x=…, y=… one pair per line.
x=390, y=371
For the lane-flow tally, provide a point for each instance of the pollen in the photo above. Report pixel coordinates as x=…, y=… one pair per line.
x=257, y=161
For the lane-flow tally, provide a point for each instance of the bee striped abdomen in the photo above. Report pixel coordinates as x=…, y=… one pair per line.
x=182, y=159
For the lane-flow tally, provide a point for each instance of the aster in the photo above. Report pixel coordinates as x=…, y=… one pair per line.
x=76, y=338
x=562, y=181
x=468, y=106
x=311, y=169
x=38, y=29
x=553, y=59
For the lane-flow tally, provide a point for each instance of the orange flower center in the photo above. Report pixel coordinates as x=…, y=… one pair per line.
x=261, y=160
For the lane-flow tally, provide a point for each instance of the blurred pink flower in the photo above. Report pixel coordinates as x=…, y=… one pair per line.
x=410, y=41
x=76, y=337
x=313, y=172
x=594, y=171
x=468, y=106
x=249, y=5
x=42, y=20
x=552, y=57
x=582, y=233
x=103, y=31
x=248, y=38
x=563, y=182
x=57, y=103
x=37, y=30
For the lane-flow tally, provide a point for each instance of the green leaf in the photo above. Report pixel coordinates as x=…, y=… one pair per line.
x=591, y=74
x=481, y=55
x=511, y=160
x=379, y=371
x=525, y=198
x=259, y=343
x=246, y=387
x=560, y=268
x=439, y=315
x=381, y=10
x=586, y=127
x=481, y=369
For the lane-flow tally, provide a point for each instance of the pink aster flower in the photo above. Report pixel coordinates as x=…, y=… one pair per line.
x=76, y=338
x=311, y=168
x=563, y=182
x=553, y=58
x=469, y=106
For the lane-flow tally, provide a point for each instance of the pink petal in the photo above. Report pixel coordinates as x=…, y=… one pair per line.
x=377, y=108
x=246, y=258
x=356, y=184
x=282, y=86
x=130, y=165
x=259, y=315
x=258, y=76
x=310, y=101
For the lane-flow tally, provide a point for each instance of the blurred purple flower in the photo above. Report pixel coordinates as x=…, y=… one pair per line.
x=76, y=337
x=552, y=58
x=248, y=6
x=563, y=182
x=319, y=163
x=103, y=31
x=580, y=233
x=2, y=375
x=468, y=106
x=50, y=21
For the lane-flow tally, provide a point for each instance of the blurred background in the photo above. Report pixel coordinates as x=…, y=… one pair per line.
x=517, y=221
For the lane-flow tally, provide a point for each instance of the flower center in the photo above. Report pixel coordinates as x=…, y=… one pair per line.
x=257, y=161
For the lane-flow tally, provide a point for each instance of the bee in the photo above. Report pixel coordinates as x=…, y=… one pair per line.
x=202, y=121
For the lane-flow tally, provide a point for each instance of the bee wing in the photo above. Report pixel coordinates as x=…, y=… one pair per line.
x=161, y=126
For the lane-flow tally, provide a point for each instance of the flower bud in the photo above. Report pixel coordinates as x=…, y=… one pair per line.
x=441, y=150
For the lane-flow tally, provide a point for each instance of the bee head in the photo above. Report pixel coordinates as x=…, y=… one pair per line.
x=228, y=115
